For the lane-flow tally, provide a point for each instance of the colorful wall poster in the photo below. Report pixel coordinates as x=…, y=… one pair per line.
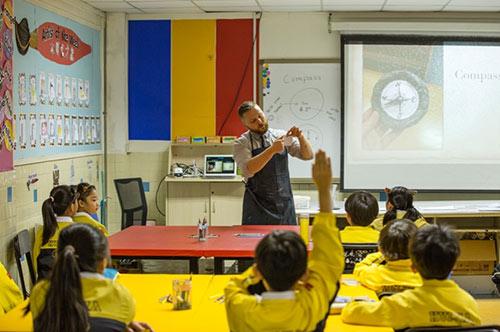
x=56, y=61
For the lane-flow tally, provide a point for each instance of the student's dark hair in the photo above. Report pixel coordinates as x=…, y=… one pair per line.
x=362, y=208
x=281, y=258
x=401, y=198
x=60, y=198
x=84, y=190
x=395, y=238
x=434, y=250
x=80, y=248
x=245, y=107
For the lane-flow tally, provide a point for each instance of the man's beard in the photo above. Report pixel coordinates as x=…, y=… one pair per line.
x=261, y=131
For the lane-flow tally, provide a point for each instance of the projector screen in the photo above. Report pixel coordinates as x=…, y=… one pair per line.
x=421, y=112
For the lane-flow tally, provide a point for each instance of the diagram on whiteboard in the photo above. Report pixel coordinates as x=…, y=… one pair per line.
x=306, y=96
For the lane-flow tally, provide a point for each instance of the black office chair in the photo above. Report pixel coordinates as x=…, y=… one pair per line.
x=355, y=253
x=22, y=250
x=485, y=328
x=132, y=201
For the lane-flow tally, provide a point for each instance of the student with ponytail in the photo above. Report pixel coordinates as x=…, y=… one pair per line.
x=57, y=211
x=88, y=204
x=399, y=205
x=77, y=297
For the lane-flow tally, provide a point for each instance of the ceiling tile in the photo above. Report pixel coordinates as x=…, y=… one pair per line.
x=354, y=3
x=413, y=3
x=234, y=5
x=471, y=9
x=351, y=8
x=419, y=8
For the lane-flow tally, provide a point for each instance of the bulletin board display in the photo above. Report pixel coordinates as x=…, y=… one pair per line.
x=56, y=85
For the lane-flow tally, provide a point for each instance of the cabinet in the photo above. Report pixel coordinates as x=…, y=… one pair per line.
x=192, y=198
x=219, y=202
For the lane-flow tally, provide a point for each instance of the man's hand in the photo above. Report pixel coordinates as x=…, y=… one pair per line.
x=295, y=132
x=278, y=145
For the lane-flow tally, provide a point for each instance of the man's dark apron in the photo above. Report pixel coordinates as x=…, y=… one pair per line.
x=268, y=196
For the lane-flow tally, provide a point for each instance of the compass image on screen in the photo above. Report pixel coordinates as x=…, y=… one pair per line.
x=401, y=98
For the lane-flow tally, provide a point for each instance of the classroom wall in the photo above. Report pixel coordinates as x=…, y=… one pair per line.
x=297, y=35
x=22, y=212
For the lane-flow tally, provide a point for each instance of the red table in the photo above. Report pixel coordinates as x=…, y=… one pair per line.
x=176, y=242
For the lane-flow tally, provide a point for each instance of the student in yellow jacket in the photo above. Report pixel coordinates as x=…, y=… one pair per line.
x=283, y=291
x=78, y=297
x=438, y=302
x=10, y=294
x=390, y=269
x=399, y=205
x=88, y=204
x=361, y=209
x=57, y=211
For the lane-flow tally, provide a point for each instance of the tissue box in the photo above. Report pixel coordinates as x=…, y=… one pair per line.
x=302, y=202
x=213, y=139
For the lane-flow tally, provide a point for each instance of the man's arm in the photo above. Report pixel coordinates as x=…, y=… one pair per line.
x=250, y=165
x=302, y=144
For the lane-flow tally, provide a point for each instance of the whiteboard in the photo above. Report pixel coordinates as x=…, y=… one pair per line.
x=306, y=95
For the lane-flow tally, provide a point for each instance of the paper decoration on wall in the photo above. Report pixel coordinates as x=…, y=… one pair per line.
x=44, y=130
x=81, y=134
x=266, y=79
x=7, y=43
x=6, y=132
x=88, y=133
x=15, y=128
x=33, y=130
x=74, y=92
x=6, y=75
x=52, y=129
x=32, y=90
x=22, y=131
x=67, y=130
x=22, y=89
x=55, y=175
x=60, y=130
x=32, y=179
x=67, y=91
x=94, y=129
x=6, y=106
x=81, y=92
x=52, y=89
x=87, y=93
x=74, y=135
x=42, y=87
x=55, y=42
x=98, y=129
x=59, y=89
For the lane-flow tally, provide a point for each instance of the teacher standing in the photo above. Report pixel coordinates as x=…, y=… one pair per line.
x=262, y=155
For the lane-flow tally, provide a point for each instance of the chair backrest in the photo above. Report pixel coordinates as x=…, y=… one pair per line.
x=22, y=250
x=132, y=201
x=485, y=328
x=98, y=324
x=355, y=253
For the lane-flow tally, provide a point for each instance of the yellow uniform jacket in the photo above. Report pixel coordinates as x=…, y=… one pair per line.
x=435, y=303
x=104, y=297
x=43, y=255
x=85, y=218
x=300, y=309
x=378, y=223
x=380, y=275
x=10, y=294
x=359, y=234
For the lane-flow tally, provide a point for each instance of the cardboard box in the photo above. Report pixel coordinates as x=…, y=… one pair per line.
x=477, y=257
x=198, y=140
x=228, y=139
x=213, y=139
x=183, y=139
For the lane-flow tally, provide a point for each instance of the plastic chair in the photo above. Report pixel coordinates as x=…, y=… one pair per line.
x=132, y=201
x=355, y=253
x=485, y=328
x=22, y=250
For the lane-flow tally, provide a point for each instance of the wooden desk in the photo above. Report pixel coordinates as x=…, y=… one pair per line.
x=176, y=242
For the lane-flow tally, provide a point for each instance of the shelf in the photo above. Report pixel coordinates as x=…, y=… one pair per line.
x=237, y=179
x=206, y=145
